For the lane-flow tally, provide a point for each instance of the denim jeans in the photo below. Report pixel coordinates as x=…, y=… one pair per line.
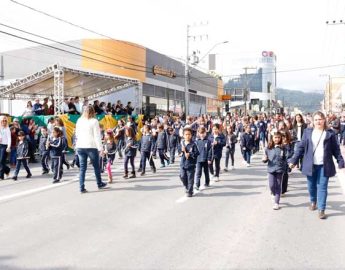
x=317, y=187
x=83, y=154
x=4, y=169
x=13, y=156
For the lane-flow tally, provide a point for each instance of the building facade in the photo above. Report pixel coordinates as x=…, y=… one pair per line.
x=161, y=78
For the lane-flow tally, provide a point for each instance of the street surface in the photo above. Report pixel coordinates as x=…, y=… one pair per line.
x=147, y=223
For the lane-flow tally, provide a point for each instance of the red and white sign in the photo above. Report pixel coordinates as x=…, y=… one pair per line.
x=267, y=54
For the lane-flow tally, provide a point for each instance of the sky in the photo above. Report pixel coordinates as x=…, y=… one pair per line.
x=295, y=30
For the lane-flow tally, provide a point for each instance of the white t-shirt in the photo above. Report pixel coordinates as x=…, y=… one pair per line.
x=88, y=133
x=315, y=137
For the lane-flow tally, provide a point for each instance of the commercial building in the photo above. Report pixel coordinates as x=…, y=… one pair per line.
x=108, y=70
x=255, y=90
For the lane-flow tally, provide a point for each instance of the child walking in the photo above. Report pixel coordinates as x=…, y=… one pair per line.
x=22, y=155
x=247, y=145
x=56, y=146
x=276, y=158
x=146, y=148
x=231, y=140
x=189, y=155
x=130, y=152
x=217, y=140
x=44, y=152
x=109, y=151
x=204, y=157
x=162, y=145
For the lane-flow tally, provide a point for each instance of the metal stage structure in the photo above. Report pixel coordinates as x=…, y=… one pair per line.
x=58, y=82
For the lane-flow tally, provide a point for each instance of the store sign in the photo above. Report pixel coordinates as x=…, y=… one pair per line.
x=225, y=97
x=158, y=70
x=267, y=54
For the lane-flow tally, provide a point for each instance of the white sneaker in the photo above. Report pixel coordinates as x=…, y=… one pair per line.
x=232, y=168
x=276, y=206
x=244, y=162
x=216, y=179
x=226, y=169
x=248, y=165
x=213, y=177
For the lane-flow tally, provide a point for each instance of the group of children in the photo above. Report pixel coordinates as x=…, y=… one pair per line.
x=199, y=146
x=51, y=146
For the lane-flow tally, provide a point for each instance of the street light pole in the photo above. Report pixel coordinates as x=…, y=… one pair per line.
x=186, y=90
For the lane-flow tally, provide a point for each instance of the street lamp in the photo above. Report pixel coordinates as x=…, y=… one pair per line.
x=187, y=77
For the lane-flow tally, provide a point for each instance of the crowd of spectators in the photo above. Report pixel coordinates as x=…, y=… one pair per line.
x=75, y=106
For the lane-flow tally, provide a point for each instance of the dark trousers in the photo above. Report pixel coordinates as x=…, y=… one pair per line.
x=285, y=181
x=247, y=155
x=199, y=167
x=4, y=169
x=275, y=183
x=57, y=168
x=76, y=161
x=163, y=156
x=146, y=156
x=120, y=147
x=216, y=161
x=229, y=153
x=64, y=161
x=131, y=160
x=172, y=154
x=44, y=161
x=187, y=178
x=19, y=165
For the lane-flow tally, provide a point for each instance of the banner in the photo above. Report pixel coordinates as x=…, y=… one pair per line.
x=70, y=120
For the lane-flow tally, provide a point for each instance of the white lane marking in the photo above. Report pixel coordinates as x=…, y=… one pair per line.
x=185, y=198
x=36, y=190
x=44, y=188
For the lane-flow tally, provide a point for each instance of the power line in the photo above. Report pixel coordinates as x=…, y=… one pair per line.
x=71, y=23
x=71, y=46
x=73, y=53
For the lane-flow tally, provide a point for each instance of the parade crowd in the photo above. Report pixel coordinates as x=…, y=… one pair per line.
x=205, y=144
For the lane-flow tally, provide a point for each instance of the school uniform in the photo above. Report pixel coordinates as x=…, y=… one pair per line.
x=130, y=153
x=162, y=147
x=56, y=149
x=22, y=158
x=146, y=148
x=247, y=145
x=216, y=153
x=285, y=177
x=44, y=152
x=205, y=155
x=276, y=165
x=187, y=166
x=231, y=141
x=172, y=145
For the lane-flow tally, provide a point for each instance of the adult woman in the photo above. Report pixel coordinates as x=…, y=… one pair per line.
x=29, y=109
x=5, y=146
x=318, y=146
x=89, y=144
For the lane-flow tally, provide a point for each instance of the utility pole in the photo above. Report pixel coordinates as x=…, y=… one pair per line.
x=186, y=90
x=187, y=71
x=246, y=90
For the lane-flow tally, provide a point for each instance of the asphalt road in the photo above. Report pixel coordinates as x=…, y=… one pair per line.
x=147, y=223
